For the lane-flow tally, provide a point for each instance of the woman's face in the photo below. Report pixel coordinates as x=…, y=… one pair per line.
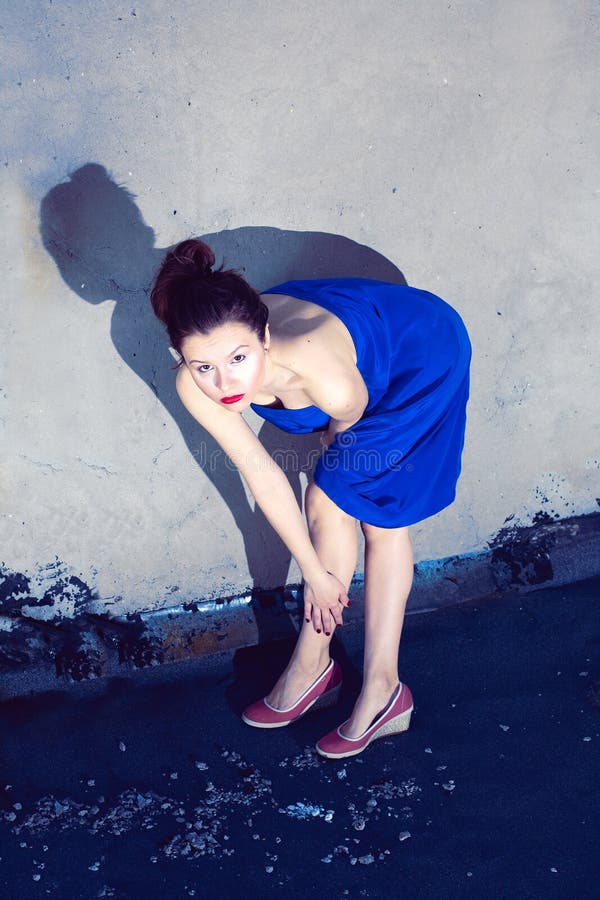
x=227, y=364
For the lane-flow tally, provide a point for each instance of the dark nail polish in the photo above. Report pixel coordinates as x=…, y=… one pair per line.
x=328, y=633
x=318, y=631
x=308, y=620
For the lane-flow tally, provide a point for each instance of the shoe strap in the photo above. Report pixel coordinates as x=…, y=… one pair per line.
x=330, y=664
x=380, y=715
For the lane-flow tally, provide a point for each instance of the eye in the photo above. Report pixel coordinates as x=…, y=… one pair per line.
x=239, y=357
x=203, y=368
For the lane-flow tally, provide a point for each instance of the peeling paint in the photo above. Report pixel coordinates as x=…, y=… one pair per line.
x=52, y=593
x=521, y=554
x=47, y=620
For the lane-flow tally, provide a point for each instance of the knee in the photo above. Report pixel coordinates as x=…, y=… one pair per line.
x=393, y=538
x=318, y=508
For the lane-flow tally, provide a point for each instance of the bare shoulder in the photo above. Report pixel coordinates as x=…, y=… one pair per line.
x=315, y=345
x=305, y=332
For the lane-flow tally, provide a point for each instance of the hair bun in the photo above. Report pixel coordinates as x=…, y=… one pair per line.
x=196, y=256
x=190, y=298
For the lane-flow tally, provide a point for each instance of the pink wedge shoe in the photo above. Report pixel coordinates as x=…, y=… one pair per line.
x=322, y=692
x=394, y=718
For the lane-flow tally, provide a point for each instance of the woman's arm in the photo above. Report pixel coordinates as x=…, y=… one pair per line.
x=272, y=492
x=342, y=394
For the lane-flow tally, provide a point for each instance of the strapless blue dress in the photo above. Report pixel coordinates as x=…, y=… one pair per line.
x=400, y=462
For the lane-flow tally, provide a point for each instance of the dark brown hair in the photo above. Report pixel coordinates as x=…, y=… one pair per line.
x=188, y=296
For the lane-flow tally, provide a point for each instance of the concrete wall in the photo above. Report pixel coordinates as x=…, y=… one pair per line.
x=449, y=143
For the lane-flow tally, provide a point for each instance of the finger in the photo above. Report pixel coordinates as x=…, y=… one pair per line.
x=337, y=616
x=323, y=626
x=307, y=611
x=327, y=623
x=316, y=620
x=343, y=597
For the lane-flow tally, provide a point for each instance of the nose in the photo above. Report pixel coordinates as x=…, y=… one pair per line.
x=223, y=381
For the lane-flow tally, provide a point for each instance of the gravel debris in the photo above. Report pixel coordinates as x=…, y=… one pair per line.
x=211, y=816
x=308, y=759
x=201, y=824
x=131, y=810
x=404, y=835
x=387, y=790
x=305, y=811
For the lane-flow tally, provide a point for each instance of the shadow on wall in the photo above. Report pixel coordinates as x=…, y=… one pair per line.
x=95, y=233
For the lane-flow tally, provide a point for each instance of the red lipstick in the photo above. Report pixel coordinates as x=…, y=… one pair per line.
x=233, y=399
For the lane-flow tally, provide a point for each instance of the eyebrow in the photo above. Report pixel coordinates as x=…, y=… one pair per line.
x=233, y=352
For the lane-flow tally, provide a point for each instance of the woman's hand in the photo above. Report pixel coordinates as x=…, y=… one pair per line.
x=326, y=438
x=324, y=600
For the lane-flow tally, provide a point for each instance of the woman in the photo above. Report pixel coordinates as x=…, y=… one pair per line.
x=382, y=371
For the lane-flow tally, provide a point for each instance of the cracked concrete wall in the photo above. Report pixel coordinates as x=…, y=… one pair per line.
x=446, y=143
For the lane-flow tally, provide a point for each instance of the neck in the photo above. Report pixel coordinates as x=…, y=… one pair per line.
x=272, y=378
x=277, y=377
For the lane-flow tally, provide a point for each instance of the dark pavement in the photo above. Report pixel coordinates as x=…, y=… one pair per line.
x=153, y=787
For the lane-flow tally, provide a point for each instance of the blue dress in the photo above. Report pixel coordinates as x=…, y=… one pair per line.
x=400, y=462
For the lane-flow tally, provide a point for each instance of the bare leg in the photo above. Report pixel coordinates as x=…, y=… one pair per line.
x=388, y=579
x=333, y=534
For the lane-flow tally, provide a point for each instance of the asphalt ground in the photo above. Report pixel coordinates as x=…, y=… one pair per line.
x=152, y=786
